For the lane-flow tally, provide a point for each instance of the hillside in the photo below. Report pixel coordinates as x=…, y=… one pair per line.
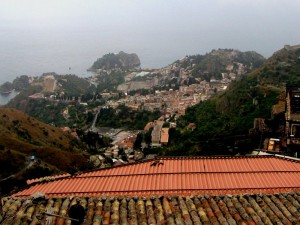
x=47, y=97
x=219, y=62
x=19, y=84
x=121, y=60
x=22, y=136
x=222, y=122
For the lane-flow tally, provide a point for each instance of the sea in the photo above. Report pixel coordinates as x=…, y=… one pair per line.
x=5, y=98
x=34, y=51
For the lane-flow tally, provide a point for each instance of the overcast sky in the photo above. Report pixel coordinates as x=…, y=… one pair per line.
x=171, y=28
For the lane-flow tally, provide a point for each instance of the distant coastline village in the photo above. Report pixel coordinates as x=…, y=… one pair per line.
x=136, y=186
x=170, y=90
x=172, y=101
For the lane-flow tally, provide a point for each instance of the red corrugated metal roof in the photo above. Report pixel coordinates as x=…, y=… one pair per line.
x=180, y=175
x=48, y=178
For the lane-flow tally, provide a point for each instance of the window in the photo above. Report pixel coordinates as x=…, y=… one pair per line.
x=295, y=130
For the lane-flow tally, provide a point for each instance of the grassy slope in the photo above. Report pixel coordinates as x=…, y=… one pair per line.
x=22, y=136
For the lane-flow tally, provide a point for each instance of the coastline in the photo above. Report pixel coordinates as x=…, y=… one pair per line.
x=7, y=96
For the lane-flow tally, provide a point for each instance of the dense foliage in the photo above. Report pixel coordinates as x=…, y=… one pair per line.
x=212, y=64
x=222, y=122
x=121, y=60
x=74, y=86
x=19, y=84
x=6, y=87
x=107, y=83
x=124, y=117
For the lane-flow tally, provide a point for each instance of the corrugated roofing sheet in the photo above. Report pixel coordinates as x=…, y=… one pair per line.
x=180, y=175
x=48, y=178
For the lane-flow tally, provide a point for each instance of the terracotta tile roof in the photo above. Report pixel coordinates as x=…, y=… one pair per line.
x=280, y=208
x=184, y=175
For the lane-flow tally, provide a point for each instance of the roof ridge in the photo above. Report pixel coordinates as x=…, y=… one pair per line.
x=216, y=157
x=48, y=178
x=277, y=156
x=42, y=179
x=170, y=173
x=117, y=166
x=174, y=157
x=177, y=160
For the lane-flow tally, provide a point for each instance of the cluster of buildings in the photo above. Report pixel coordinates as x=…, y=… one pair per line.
x=181, y=93
x=159, y=134
x=176, y=90
x=172, y=101
x=121, y=151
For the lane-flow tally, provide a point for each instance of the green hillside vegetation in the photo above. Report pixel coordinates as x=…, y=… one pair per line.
x=49, y=112
x=69, y=87
x=22, y=136
x=110, y=82
x=226, y=118
x=124, y=117
x=6, y=87
x=74, y=86
x=19, y=84
x=214, y=63
x=52, y=112
x=121, y=60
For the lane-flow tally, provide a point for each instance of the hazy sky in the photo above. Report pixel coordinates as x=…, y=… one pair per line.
x=157, y=30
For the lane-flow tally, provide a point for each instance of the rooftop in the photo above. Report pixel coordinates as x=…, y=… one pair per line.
x=179, y=175
x=281, y=208
x=164, y=135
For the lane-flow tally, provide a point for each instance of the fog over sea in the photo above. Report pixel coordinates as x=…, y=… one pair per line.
x=67, y=36
x=34, y=51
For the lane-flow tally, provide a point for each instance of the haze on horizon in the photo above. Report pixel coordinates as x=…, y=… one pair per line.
x=39, y=36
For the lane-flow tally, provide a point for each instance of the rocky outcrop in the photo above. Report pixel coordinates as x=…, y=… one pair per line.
x=121, y=60
x=6, y=88
x=19, y=84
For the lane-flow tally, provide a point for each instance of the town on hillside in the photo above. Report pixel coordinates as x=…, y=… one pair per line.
x=170, y=90
x=118, y=86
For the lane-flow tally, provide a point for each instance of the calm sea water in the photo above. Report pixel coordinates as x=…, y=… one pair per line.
x=4, y=98
x=70, y=51
x=34, y=51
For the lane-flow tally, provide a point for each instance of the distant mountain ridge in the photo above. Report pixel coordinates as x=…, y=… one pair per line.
x=216, y=62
